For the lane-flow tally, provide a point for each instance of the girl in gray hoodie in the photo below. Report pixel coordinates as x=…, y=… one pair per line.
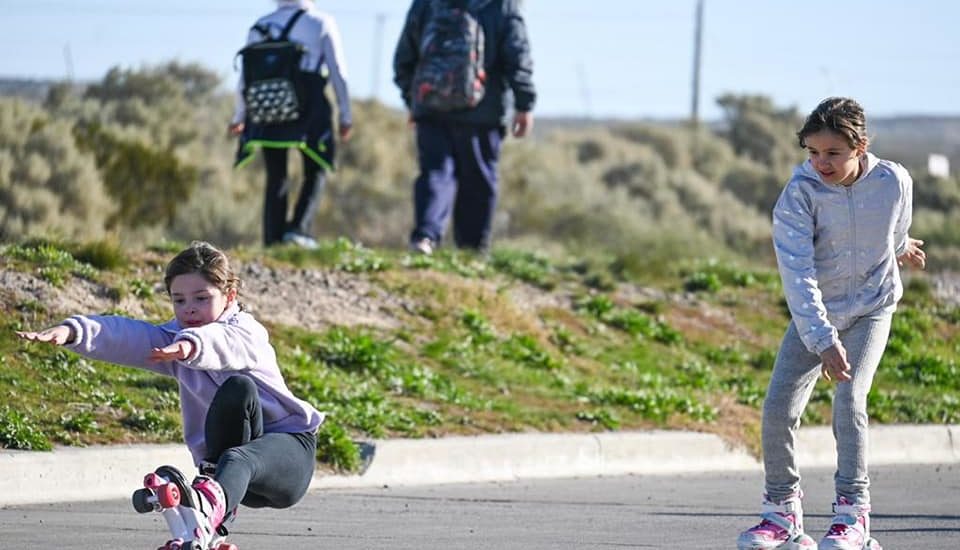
x=252, y=439
x=840, y=232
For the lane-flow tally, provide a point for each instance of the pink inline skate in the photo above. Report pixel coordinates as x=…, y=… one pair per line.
x=850, y=528
x=780, y=528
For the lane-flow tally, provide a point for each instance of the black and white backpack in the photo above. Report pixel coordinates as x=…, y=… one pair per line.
x=273, y=88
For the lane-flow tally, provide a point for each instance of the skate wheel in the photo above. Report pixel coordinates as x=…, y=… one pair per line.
x=226, y=546
x=142, y=501
x=169, y=497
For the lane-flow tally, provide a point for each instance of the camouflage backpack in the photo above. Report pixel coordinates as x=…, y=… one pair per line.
x=449, y=75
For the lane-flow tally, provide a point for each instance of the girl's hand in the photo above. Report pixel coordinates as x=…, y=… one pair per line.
x=834, y=364
x=58, y=335
x=177, y=351
x=913, y=255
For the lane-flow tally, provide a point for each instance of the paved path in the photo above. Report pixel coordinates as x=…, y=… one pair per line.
x=109, y=472
x=917, y=507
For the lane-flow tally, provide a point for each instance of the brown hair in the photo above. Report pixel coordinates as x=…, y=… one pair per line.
x=841, y=115
x=207, y=260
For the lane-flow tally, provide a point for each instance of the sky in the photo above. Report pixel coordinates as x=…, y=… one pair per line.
x=628, y=59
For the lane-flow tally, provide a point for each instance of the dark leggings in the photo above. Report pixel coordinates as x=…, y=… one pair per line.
x=262, y=469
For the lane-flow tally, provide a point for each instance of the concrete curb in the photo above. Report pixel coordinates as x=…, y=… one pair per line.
x=72, y=474
x=526, y=456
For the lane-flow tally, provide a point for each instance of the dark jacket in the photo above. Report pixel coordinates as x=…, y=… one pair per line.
x=507, y=62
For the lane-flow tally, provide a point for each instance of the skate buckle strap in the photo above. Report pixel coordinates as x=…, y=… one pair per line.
x=780, y=521
x=789, y=506
x=855, y=510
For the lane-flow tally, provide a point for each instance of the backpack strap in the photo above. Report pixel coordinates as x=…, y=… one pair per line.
x=264, y=30
x=289, y=27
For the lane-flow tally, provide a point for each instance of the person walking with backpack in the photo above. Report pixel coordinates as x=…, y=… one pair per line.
x=290, y=56
x=457, y=64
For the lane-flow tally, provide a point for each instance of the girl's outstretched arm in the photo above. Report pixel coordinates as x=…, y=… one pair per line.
x=119, y=340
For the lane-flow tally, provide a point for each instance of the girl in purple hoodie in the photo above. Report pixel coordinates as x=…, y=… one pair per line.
x=253, y=441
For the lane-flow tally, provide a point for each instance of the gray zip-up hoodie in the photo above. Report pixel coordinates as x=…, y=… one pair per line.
x=837, y=247
x=235, y=344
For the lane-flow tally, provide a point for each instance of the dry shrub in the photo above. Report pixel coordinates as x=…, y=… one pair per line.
x=47, y=187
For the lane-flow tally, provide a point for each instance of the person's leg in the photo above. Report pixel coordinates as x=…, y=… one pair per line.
x=314, y=178
x=435, y=187
x=272, y=471
x=235, y=417
x=255, y=468
x=794, y=375
x=865, y=342
x=275, y=197
x=477, y=154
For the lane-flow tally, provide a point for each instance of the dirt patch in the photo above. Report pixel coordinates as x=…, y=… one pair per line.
x=309, y=298
x=317, y=299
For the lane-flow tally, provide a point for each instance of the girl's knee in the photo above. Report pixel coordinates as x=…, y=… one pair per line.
x=239, y=383
x=274, y=499
x=237, y=388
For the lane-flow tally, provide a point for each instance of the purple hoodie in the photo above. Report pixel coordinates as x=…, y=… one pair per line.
x=234, y=344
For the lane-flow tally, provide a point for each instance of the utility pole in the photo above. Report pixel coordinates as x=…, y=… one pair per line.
x=377, y=51
x=68, y=60
x=584, y=91
x=697, y=33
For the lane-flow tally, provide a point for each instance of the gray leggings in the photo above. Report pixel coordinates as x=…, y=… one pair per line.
x=794, y=376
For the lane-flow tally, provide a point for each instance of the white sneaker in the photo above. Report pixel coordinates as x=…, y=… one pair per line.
x=302, y=241
x=423, y=246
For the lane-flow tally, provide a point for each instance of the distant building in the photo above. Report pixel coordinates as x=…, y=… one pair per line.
x=938, y=165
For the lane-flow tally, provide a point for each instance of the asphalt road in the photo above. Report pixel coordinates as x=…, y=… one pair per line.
x=916, y=507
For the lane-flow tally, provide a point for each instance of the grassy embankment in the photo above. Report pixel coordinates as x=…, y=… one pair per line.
x=516, y=342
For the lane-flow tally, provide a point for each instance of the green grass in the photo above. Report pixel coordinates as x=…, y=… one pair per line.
x=469, y=357
x=50, y=261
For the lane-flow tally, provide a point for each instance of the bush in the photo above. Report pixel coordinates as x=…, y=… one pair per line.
x=47, y=186
x=335, y=447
